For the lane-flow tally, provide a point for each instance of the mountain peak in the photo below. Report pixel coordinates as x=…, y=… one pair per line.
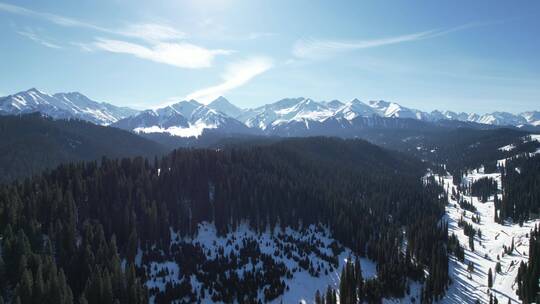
x=219, y=100
x=308, y=101
x=334, y=104
x=221, y=104
x=186, y=107
x=355, y=108
x=33, y=89
x=74, y=93
x=71, y=95
x=378, y=103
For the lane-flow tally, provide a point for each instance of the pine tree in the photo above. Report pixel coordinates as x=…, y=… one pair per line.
x=490, y=278
x=512, y=246
x=25, y=286
x=318, y=299
x=359, y=279
x=82, y=299
x=348, y=283
x=3, y=280
x=329, y=295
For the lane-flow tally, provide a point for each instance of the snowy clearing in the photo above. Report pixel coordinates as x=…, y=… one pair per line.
x=303, y=284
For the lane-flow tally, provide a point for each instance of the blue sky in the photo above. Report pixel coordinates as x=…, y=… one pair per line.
x=478, y=56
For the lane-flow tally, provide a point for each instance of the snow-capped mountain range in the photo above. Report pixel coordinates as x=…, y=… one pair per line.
x=300, y=117
x=286, y=117
x=63, y=106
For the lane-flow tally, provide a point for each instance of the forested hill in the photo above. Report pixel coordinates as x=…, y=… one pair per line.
x=65, y=232
x=331, y=152
x=31, y=143
x=458, y=148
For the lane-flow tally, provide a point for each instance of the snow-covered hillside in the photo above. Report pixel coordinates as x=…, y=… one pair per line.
x=312, y=260
x=511, y=147
x=470, y=286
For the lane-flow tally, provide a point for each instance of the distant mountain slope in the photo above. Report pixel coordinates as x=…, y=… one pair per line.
x=285, y=111
x=187, y=118
x=63, y=105
x=224, y=106
x=292, y=116
x=532, y=117
x=31, y=143
x=392, y=109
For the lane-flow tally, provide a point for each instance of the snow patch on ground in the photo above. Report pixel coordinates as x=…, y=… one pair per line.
x=535, y=137
x=507, y=148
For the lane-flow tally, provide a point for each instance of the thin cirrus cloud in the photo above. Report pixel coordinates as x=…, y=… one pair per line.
x=56, y=19
x=162, y=43
x=30, y=34
x=153, y=32
x=236, y=75
x=315, y=48
x=182, y=55
x=144, y=31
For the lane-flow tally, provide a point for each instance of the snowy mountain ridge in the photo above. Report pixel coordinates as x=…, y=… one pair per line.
x=186, y=118
x=293, y=110
x=288, y=116
x=296, y=117
x=63, y=106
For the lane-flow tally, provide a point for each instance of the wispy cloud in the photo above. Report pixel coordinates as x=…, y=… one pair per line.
x=56, y=19
x=183, y=55
x=161, y=43
x=30, y=34
x=315, y=48
x=236, y=75
x=146, y=31
x=259, y=35
x=245, y=36
x=153, y=32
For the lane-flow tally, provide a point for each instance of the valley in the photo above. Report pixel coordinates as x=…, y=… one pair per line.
x=262, y=219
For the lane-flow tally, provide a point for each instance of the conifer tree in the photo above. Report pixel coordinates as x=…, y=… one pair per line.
x=318, y=299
